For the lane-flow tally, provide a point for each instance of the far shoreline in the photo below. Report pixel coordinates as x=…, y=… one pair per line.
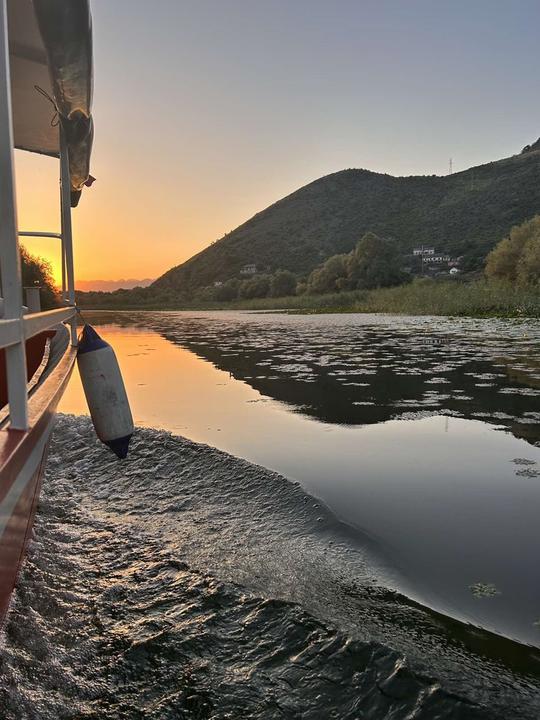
x=477, y=299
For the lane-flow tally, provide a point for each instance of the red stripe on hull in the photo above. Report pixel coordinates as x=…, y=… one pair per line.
x=22, y=462
x=11, y=471
x=35, y=347
x=16, y=535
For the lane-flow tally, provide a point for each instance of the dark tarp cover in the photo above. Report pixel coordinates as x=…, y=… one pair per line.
x=50, y=47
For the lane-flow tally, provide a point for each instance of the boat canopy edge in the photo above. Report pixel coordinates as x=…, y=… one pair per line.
x=50, y=52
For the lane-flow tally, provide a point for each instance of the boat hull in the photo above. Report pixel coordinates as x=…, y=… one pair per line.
x=23, y=457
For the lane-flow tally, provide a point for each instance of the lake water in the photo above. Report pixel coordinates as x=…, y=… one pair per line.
x=423, y=434
x=417, y=439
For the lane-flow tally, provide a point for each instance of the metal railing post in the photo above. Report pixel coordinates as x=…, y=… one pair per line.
x=62, y=249
x=64, y=286
x=68, y=274
x=10, y=262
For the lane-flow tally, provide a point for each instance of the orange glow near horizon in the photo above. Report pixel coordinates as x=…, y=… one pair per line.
x=122, y=228
x=109, y=243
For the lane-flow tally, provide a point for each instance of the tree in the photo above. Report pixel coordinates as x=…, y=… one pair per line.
x=324, y=279
x=227, y=291
x=473, y=260
x=375, y=262
x=283, y=283
x=528, y=268
x=38, y=272
x=255, y=287
x=502, y=261
x=204, y=294
x=517, y=257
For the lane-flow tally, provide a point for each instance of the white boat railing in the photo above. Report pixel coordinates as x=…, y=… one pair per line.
x=16, y=328
x=40, y=234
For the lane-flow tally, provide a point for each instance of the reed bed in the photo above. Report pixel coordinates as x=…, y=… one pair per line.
x=423, y=296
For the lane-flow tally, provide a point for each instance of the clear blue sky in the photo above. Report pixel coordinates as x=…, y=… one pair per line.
x=209, y=110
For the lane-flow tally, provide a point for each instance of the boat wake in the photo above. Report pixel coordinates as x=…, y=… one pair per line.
x=184, y=582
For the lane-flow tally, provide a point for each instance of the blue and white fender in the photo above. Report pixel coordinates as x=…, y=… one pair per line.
x=105, y=392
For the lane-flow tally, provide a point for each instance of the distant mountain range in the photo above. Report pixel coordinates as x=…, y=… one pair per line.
x=466, y=213
x=111, y=285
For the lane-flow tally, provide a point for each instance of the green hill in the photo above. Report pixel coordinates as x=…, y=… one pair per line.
x=466, y=213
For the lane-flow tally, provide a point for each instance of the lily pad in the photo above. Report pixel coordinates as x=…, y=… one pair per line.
x=528, y=472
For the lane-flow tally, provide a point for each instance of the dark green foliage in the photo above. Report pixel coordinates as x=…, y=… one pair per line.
x=463, y=214
x=283, y=283
x=529, y=264
x=329, y=277
x=421, y=297
x=472, y=260
x=37, y=271
x=138, y=297
x=227, y=291
x=204, y=295
x=453, y=297
x=517, y=257
x=256, y=287
x=375, y=262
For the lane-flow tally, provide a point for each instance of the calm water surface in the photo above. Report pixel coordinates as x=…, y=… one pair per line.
x=387, y=570
x=421, y=434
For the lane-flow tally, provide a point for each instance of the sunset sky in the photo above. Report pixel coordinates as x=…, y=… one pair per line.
x=207, y=111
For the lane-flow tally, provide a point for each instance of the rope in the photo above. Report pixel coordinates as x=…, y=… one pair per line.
x=55, y=120
x=82, y=316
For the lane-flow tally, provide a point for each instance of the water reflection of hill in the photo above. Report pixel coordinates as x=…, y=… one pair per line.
x=387, y=380
x=332, y=398
x=368, y=369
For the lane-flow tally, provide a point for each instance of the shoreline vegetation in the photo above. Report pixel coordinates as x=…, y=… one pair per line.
x=422, y=296
x=371, y=278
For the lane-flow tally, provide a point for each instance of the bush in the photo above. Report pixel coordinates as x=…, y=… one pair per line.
x=255, y=287
x=227, y=291
x=517, y=257
x=37, y=271
x=454, y=297
x=324, y=279
x=283, y=283
x=375, y=262
x=204, y=294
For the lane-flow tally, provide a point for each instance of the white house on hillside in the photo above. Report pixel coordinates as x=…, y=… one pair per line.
x=437, y=259
x=249, y=269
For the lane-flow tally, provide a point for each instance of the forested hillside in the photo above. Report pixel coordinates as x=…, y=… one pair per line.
x=466, y=213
